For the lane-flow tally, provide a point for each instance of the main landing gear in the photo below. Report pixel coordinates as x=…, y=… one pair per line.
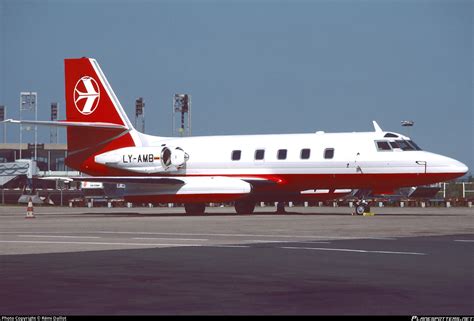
x=244, y=207
x=280, y=208
x=195, y=208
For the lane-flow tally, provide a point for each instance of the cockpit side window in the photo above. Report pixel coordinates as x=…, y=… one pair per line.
x=394, y=145
x=383, y=146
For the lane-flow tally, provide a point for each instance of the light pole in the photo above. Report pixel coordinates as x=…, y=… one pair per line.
x=140, y=114
x=3, y=115
x=182, y=105
x=28, y=102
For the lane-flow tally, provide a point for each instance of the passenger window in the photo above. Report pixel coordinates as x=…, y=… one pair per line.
x=383, y=146
x=305, y=153
x=329, y=153
x=259, y=154
x=236, y=155
x=281, y=154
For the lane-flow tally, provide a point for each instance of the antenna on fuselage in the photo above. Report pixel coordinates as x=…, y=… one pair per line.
x=377, y=127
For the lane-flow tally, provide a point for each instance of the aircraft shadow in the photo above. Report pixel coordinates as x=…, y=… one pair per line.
x=288, y=213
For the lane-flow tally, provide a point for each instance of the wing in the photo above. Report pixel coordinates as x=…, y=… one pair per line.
x=176, y=180
x=131, y=179
x=178, y=188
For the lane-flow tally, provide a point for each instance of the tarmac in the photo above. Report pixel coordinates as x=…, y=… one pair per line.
x=310, y=261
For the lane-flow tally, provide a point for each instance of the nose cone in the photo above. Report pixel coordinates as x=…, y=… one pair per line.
x=459, y=167
x=446, y=167
x=453, y=166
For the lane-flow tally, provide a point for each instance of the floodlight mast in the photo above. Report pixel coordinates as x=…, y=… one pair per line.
x=409, y=124
x=182, y=105
x=28, y=102
x=140, y=114
x=3, y=116
x=53, y=134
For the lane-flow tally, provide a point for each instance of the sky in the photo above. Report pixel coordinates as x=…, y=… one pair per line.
x=256, y=67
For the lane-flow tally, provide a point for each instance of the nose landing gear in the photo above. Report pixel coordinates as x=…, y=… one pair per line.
x=361, y=207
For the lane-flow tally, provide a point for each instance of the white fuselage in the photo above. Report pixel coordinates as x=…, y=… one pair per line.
x=301, y=161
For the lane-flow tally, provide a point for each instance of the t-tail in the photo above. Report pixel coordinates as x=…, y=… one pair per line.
x=90, y=100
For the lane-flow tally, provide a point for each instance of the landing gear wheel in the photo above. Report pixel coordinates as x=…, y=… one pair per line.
x=362, y=208
x=195, y=208
x=244, y=207
x=280, y=208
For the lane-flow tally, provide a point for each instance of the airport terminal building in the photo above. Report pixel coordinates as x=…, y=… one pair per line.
x=50, y=157
x=50, y=162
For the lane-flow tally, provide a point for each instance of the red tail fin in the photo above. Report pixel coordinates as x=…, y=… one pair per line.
x=90, y=98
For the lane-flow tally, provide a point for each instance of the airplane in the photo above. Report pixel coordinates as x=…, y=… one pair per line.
x=244, y=169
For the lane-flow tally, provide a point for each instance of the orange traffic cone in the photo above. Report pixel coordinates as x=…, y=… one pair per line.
x=29, y=210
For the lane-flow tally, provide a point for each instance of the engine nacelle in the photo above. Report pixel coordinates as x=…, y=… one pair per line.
x=145, y=160
x=173, y=156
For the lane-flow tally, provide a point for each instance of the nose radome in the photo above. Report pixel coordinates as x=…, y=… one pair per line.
x=461, y=168
x=446, y=164
x=456, y=166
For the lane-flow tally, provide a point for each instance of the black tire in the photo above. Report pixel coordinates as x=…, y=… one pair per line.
x=244, y=207
x=195, y=208
x=281, y=208
x=360, y=209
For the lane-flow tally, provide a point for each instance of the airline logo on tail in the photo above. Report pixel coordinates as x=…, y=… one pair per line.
x=86, y=95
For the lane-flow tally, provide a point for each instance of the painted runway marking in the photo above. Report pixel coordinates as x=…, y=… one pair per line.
x=251, y=235
x=273, y=241
x=381, y=238
x=306, y=237
x=463, y=240
x=230, y=246
x=350, y=250
x=62, y=236
x=101, y=243
x=211, y=234
x=167, y=238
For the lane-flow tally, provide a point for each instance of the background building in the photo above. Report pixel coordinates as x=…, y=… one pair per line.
x=50, y=157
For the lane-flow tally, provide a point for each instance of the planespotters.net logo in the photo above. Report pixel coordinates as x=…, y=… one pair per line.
x=415, y=318
x=86, y=95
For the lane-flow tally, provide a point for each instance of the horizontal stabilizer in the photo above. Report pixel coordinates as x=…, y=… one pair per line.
x=65, y=123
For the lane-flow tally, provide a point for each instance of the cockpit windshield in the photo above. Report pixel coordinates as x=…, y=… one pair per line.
x=389, y=145
x=414, y=145
x=407, y=145
x=403, y=144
